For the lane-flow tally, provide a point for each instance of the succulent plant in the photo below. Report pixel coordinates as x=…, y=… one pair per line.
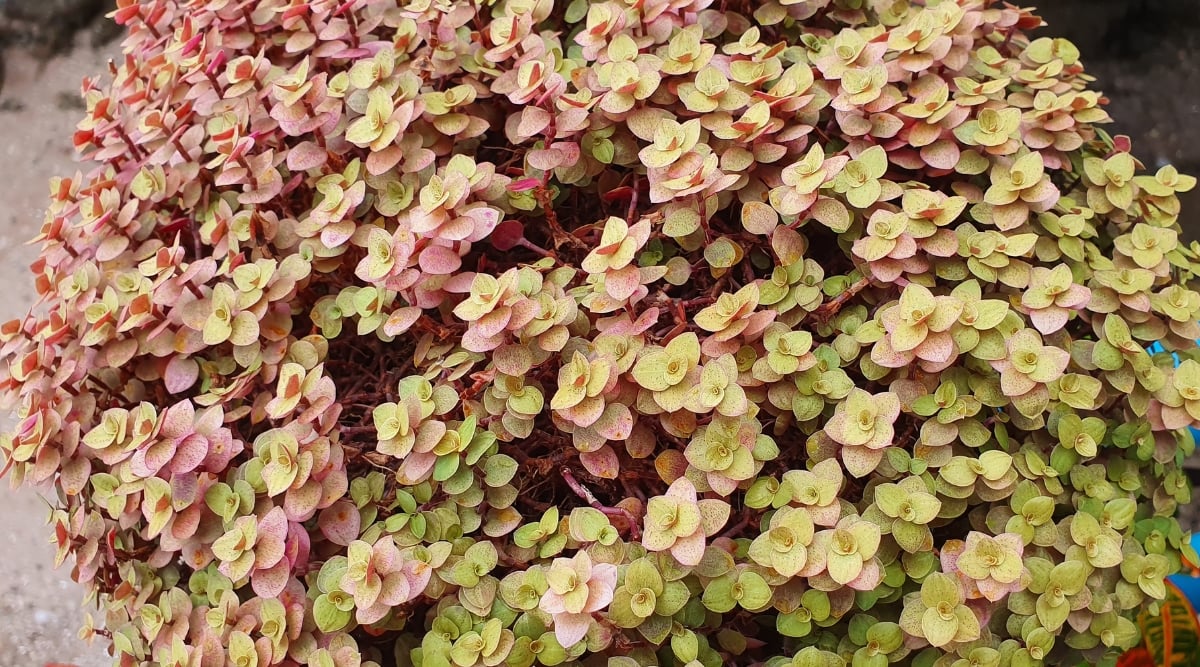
x=597, y=332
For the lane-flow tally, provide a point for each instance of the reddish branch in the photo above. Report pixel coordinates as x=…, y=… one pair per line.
x=736, y=529
x=587, y=496
x=831, y=308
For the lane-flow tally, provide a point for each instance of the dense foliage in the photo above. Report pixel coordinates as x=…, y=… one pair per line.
x=609, y=332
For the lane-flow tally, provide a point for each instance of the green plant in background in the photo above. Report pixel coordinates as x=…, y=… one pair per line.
x=603, y=332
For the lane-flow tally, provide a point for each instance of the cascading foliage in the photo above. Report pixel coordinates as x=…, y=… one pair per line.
x=607, y=333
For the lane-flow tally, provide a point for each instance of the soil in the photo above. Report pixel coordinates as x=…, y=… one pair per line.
x=1145, y=54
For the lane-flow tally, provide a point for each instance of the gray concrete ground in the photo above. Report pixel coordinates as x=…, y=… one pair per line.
x=40, y=610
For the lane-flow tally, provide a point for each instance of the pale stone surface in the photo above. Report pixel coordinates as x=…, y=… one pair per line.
x=40, y=607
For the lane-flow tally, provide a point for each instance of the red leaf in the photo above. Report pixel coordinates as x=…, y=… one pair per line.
x=524, y=184
x=507, y=235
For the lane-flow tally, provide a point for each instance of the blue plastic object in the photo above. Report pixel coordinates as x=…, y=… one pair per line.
x=1189, y=586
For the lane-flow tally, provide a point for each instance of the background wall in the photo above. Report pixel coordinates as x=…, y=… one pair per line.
x=1145, y=55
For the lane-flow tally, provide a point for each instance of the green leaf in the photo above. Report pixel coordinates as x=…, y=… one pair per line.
x=656, y=628
x=793, y=624
x=755, y=594
x=328, y=616
x=622, y=612
x=445, y=467
x=1051, y=615
x=685, y=646
x=1084, y=527
x=1038, y=510
x=586, y=523
x=1071, y=575
x=718, y=595
x=938, y=630
x=887, y=635
x=673, y=598
x=499, y=470
x=910, y=537
x=640, y=574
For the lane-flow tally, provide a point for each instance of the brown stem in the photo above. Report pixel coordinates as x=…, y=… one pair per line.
x=533, y=247
x=481, y=379
x=558, y=235
x=194, y=289
x=179, y=147
x=582, y=491
x=630, y=489
x=247, y=17
x=134, y=149
x=212, y=79
x=195, y=236
x=737, y=528
x=633, y=203
x=830, y=308
x=698, y=301
x=241, y=160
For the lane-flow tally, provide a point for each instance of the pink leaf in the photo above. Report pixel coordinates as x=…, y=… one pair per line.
x=474, y=341
x=868, y=578
x=689, y=550
x=524, y=184
x=270, y=582
x=616, y=422
x=417, y=465
x=340, y=523
x=273, y=524
x=483, y=221
x=439, y=260
x=380, y=161
x=306, y=155
x=180, y=374
x=938, y=347
x=544, y=159
x=179, y=420
x=333, y=486
x=759, y=217
x=74, y=476
x=111, y=248
x=185, y=523
x=146, y=462
x=494, y=323
x=338, y=233
x=861, y=461
x=622, y=283
x=1049, y=320
x=571, y=628
x=301, y=503
x=400, y=320
x=189, y=453
x=221, y=450
x=942, y=154
x=396, y=590
x=533, y=121
x=601, y=463
x=297, y=546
